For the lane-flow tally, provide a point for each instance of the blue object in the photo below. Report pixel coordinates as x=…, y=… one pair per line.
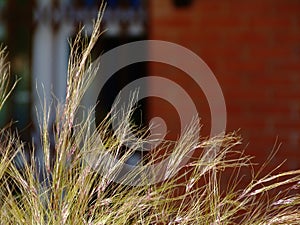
x=132, y=3
x=135, y=3
x=89, y=3
x=112, y=3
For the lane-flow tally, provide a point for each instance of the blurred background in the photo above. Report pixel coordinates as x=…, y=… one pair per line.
x=253, y=48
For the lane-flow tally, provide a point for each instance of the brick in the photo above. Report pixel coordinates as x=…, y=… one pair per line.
x=211, y=39
x=250, y=7
x=247, y=38
x=249, y=66
x=286, y=123
x=270, y=108
x=287, y=93
x=267, y=53
x=246, y=123
x=253, y=47
x=220, y=53
x=275, y=81
x=269, y=22
x=223, y=23
x=170, y=21
x=287, y=7
x=160, y=8
x=285, y=67
x=246, y=95
x=287, y=38
x=227, y=80
x=234, y=110
x=212, y=7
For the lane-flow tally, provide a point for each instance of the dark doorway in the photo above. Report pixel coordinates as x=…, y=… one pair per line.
x=119, y=80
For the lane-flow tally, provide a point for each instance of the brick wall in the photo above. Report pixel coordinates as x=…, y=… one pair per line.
x=253, y=48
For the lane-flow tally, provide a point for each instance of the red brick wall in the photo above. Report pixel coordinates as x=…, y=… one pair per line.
x=253, y=48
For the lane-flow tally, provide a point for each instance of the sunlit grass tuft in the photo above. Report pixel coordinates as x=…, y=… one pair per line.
x=77, y=188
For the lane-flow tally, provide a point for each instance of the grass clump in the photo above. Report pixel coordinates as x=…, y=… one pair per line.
x=65, y=189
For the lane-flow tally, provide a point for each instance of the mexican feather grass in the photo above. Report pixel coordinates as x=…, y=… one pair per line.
x=69, y=191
